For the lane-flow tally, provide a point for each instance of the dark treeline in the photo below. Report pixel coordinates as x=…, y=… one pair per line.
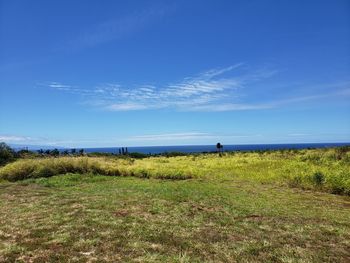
x=7, y=154
x=56, y=152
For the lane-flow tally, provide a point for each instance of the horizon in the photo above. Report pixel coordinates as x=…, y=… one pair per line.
x=35, y=147
x=172, y=73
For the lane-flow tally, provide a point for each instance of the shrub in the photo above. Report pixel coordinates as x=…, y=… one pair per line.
x=341, y=152
x=43, y=171
x=6, y=153
x=339, y=183
x=17, y=171
x=318, y=178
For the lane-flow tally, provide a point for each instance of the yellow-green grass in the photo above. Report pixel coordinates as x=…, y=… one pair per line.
x=94, y=218
x=318, y=169
x=238, y=207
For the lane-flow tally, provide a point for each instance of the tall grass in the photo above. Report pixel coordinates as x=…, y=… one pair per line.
x=47, y=167
x=323, y=170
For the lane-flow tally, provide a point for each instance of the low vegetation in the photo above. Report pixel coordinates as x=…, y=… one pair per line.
x=234, y=207
x=94, y=218
x=317, y=169
x=6, y=154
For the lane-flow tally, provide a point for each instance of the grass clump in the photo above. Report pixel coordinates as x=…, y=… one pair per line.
x=318, y=178
x=318, y=169
x=47, y=167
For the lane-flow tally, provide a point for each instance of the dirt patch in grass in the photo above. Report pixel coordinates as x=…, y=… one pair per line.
x=251, y=217
x=122, y=213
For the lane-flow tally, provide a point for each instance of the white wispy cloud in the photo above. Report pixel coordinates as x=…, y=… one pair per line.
x=230, y=107
x=187, y=136
x=58, y=85
x=344, y=91
x=58, y=142
x=299, y=134
x=116, y=28
x=219, y=89
x=171, y=136
x=203, y=89
x=215, y=89
x=14, y=138
x=126, y=107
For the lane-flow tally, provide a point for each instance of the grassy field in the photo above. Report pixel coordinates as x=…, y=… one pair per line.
x=318, y=169
x=243, y=207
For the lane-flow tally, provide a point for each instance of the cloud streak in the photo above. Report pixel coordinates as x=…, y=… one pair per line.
x=214, y=90
x=116, y=28
x=177, y=138
x=188, y=136
x=171, y=136
x=14, y=138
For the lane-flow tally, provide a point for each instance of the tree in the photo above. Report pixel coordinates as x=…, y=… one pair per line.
x=81, y=152
x=73, y=151
x=219, y=147
x=65, y=152
x=23, y=153
x=7, y=154
x=55, y=152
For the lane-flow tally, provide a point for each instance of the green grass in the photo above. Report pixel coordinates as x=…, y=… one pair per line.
x=94, y=218
x=240, y=207
x=321, y=169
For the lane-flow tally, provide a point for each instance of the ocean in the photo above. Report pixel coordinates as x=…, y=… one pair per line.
x=211, y=148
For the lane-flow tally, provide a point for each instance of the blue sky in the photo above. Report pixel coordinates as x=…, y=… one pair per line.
x=134, y=73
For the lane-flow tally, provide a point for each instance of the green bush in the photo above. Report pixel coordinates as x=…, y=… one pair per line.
x=341, y=152
x=43, y=171
x=339, y=183
x=318, y=178
x=6, y=153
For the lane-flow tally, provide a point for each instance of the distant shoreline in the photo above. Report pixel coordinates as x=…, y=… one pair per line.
x=195, y=148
